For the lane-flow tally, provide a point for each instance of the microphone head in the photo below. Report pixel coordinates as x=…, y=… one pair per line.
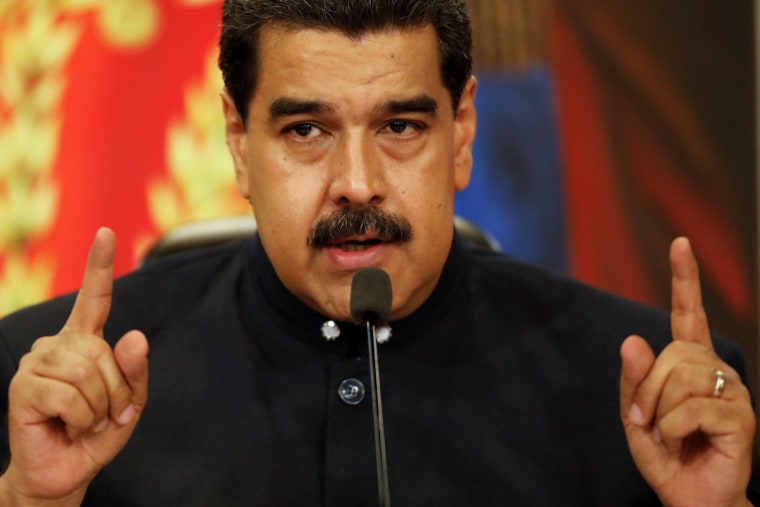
x=371, y=296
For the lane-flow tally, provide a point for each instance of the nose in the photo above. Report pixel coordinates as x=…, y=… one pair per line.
x=357, y=177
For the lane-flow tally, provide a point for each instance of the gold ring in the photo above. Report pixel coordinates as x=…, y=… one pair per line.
x=720, y=382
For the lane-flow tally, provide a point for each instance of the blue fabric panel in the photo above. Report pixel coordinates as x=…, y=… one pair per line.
x=516, y=190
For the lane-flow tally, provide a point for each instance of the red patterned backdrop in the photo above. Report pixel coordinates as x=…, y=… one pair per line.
x=109, y=115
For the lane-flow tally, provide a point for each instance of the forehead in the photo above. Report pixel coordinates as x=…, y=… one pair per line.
x=319, y=63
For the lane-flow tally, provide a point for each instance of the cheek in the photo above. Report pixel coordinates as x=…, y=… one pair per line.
x=287, y=205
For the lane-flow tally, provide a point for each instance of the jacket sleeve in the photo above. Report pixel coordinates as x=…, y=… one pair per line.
x=730, y=353
x=8, y=367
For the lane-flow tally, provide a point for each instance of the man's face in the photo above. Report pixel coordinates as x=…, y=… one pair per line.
x=341, y=124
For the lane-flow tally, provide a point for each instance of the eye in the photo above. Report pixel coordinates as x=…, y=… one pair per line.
x=305, y=130
x=398, y=126
x=404, y=129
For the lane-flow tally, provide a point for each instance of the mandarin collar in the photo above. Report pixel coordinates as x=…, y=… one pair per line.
x=287, y=327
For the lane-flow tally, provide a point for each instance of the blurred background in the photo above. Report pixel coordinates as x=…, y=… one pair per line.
x=605, y=130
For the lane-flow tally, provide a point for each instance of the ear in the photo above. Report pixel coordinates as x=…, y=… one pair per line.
x=464, y=135
x=235, y=132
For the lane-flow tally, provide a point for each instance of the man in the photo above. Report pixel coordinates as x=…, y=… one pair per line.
x=350, y=124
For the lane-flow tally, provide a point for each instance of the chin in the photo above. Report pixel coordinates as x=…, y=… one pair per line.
x=334, y=304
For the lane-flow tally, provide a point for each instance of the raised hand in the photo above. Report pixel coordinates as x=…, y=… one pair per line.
x=690, y=433
x=74, y=401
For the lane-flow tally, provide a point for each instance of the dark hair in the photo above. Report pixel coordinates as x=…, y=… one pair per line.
x=242, y=21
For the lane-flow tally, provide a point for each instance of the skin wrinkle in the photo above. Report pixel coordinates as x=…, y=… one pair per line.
x=296, y=175
x=308, y=166
x=285, y=107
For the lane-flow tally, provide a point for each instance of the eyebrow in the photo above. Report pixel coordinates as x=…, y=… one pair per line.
x=285, y=107
x=424, y=104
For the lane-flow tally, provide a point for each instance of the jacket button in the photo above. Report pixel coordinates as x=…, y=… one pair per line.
x=351, y=391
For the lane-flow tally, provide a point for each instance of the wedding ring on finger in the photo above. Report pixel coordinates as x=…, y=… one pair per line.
x=720, y=382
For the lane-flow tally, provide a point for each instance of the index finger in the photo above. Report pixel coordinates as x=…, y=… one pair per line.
x=688, y=320
x=93, y=301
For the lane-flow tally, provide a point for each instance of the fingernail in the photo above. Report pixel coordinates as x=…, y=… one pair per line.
x=101, y=426
x=635, y=415
x=126, y=416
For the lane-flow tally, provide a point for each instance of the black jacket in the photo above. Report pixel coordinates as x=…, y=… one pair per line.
x=502, y=389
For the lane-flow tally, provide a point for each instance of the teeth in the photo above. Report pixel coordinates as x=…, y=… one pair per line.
x=354, y=247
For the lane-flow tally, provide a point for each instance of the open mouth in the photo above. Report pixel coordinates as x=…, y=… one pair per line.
x=357, y=246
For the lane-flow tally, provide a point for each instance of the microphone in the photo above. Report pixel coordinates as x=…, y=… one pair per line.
x=370, y=305
x=371, y=296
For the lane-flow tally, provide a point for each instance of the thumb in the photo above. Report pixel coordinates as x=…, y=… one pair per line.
x=637, y=359
x=131, y=354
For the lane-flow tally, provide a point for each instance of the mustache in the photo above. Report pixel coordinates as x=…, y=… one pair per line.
x=350, y=221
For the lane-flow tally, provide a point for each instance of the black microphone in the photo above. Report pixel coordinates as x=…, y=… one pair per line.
x=371, y=296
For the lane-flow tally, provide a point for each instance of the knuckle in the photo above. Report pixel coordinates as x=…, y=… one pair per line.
x=742, y=392
x=674, y=350
x=74, y=409
x=694, y=408
x=83, y=343
x=49, y=357
x=18, y=386
x=24, y=362
x=682, y=374
x=43, y=357
x=82, y=371
x=750, y=423
x=40, y=393
x=67, y=397
x=42, y=342
x=689, y=349
x=120, y=396
x=741, y=417
x=731, y=373
x=99, y=348
x=99, y=406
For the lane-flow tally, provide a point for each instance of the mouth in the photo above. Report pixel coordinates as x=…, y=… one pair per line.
x=357, y=245
x=352, y=252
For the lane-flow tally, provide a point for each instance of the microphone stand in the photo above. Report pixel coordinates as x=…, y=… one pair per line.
x=383, y=489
